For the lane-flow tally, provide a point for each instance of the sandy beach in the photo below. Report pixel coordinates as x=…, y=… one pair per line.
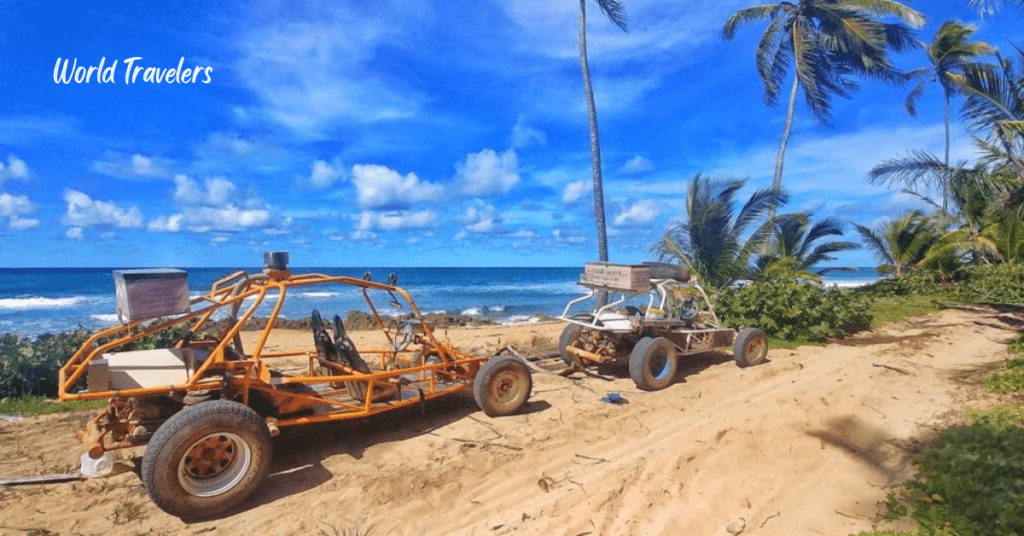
x=808, y=443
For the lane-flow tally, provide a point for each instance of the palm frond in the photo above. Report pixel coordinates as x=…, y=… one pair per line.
x=750, y=14
x=615, y=10
x=891, y=9
x=918, y=167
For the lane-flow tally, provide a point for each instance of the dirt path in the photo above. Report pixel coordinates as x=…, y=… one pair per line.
x=808, y=443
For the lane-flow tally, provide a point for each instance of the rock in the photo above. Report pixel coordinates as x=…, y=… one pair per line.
x=736, y=526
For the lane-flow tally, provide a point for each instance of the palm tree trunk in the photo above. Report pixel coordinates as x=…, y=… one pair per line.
x=945, y=178
x=595, y=142
x=780, y=158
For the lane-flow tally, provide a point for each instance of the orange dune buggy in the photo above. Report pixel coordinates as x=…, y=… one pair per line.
x=206, y=407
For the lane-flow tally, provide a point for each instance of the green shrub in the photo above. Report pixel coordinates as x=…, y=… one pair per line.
x=913, y=283
x=792, y=310
x=993, y=283
x=30, y=366
x=972, y=480
x=1010, y=377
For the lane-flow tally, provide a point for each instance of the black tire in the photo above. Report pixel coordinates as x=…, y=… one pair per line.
x=652, y=363
x=207, y=459
x=502, y=386
x=570, y=334
x=750, y=347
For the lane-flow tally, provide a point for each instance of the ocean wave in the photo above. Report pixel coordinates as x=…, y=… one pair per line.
x=472, y=311
x=105, y=318
x=38, y=302
x=319, y=294
x=554, y=287
x=516, y=320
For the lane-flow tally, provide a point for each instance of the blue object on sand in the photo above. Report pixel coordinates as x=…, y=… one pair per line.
x=613, y=398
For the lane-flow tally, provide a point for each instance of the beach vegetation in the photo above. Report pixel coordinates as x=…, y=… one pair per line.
x=28, y=367
x=901, y=243
x=713, y=242
x=794, y=310
x=968, y=480
x=797, y=248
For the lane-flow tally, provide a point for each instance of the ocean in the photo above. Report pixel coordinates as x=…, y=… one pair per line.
x=34, y=301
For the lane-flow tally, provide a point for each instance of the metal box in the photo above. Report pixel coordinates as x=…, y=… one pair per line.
x=630, y=277
x=150, y=293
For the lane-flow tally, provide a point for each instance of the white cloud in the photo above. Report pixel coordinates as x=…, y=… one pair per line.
x=15, y=205
x=574, y=191
x=487, y=173
x=166, y=224
x=229, y=218
x=323, y=174
x=15, y=168
x=116, y=164
x=74, y=233
x=524, y=135
x=395, y=220
x=313, y=67
x=188, y=192
x=20, y=224
x=382, y=187
x=638, y=164
x=640, y=214
x=568, y=237
x=83, y=211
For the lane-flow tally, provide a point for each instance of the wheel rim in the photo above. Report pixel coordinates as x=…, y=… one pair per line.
x=659, y=365
x=756, y=347
x=506, y=387
x=214, y=464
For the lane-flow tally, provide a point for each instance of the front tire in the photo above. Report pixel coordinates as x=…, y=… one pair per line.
x=652, y=363
x=750, y=348
x=207, y=459
x=502, y=386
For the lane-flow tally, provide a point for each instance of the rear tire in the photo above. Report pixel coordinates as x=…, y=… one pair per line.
x=652, y=364
x=207, y=459
x=750, y=347
x=570, y=334
x=502, y=386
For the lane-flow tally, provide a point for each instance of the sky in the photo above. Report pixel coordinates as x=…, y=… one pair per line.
x=411, y=132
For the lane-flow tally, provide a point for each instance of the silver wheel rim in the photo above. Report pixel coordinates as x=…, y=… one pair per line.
x=214, y=464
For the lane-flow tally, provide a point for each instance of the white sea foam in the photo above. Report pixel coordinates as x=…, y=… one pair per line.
x=105, y=318
x=37, y=302
x=472, y=311
x=515, y=320
x=319, y=294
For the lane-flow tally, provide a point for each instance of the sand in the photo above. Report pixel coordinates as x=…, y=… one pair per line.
x=807, y=443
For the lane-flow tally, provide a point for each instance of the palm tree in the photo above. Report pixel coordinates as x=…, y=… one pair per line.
x=950, y=52
x=994, y=108
x=710, y=243
x=900, y=243
x=990, y=7
x=616, y=12
x=797, y=247
x=826, y=42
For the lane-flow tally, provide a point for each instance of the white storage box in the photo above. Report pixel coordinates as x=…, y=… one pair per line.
x=629, y=277
x=150, y=293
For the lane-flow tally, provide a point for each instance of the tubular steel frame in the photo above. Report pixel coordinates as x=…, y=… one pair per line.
x=448, y=371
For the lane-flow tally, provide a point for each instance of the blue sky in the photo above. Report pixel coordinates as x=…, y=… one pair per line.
x=410, y=132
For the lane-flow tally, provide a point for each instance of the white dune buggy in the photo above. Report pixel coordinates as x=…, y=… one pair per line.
x=676, y=320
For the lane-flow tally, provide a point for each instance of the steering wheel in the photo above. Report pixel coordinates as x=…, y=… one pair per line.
x=403, y=336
